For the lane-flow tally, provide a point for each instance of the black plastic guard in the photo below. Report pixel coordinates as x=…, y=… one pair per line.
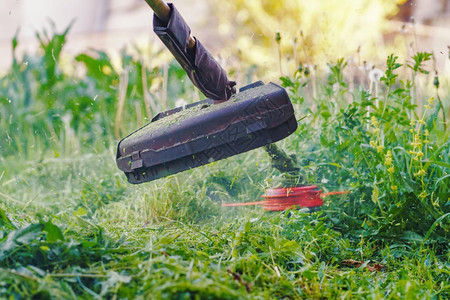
x=185, y=138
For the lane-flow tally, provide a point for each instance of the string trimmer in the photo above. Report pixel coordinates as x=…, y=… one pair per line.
x=225, y=124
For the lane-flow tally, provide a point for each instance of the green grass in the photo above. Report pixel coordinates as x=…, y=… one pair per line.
x=71, y=226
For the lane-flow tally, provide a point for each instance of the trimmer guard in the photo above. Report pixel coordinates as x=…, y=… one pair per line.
x=203, y=132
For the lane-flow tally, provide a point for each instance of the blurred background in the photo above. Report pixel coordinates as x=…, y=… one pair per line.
x=311, y=31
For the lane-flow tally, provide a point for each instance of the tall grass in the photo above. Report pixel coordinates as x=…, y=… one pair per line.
x=71, y=226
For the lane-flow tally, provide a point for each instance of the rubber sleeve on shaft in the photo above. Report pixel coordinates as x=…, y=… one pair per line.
x=201, y=67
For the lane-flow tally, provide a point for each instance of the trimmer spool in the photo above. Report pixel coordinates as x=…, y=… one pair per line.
x=279, y=199
x=284, y=198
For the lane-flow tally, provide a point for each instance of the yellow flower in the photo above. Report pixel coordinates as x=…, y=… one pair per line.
x=374, y=121
x=388, y=158
x=426, y=133
x=427, y=106
x=431, y=100
x=376, y=130
x=380, y=148
x=423, y=195
x=391, y=170
x=106, y=70
x=373, y=144
x=413, y=122
x=421, y=121
x=421, y=172
x=394, y=188
x=419, y=155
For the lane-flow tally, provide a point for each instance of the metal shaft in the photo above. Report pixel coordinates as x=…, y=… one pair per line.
x=163, y=11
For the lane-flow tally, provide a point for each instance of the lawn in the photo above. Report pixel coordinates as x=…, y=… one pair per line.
x=73, y=227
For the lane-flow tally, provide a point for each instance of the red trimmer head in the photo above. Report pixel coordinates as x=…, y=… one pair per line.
x=279, y=199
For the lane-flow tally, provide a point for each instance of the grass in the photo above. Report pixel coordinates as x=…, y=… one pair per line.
x=71, y=226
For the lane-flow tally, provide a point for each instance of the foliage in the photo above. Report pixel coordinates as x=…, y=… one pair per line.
x=72, y=227
x=396, y=162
